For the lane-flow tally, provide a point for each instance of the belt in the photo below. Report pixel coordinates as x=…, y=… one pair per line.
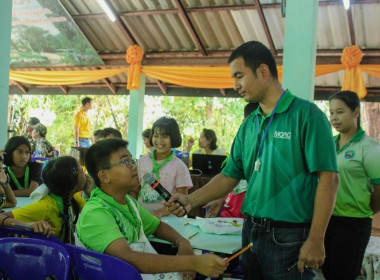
x=269, y=224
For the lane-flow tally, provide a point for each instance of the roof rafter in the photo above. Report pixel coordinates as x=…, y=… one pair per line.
x=265, y=26
x=162, y=87
x=351, y=27
x=190, y=26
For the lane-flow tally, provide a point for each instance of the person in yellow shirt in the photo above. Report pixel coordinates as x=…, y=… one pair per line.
x=64, y=177
x=82, y=125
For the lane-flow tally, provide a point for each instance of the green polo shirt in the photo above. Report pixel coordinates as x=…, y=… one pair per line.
x=103, y=220
x=359, y=170
x=299, y=143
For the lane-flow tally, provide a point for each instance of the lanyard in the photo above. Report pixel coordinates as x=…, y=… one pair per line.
x=157, y=166
x=61, y=214
x=15, y=180
x=267, y=128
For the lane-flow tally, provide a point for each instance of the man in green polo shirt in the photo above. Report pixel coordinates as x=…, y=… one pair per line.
x=285, y=151
x=114, y=223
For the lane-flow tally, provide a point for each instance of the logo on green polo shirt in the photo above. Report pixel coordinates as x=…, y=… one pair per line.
x=349, y=154
x=282, y=135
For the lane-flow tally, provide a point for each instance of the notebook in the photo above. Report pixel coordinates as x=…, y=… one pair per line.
x=208, y=164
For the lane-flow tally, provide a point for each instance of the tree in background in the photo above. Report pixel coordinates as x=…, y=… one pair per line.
x=57, y=112
x=223, y=115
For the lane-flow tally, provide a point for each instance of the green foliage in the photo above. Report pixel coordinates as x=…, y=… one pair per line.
x=224, y=115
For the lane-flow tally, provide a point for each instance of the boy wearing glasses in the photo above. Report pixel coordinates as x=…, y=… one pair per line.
x=112, y=222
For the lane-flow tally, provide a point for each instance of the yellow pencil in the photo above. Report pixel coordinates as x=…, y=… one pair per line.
x=194, y=234
x=241, y=251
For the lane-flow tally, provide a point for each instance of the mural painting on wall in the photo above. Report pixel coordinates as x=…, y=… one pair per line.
x=44, y=34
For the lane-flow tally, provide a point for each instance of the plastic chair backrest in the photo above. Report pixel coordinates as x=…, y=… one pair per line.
x=91, y=265
x=20, y=233
x=28, y=258
x=41, y=160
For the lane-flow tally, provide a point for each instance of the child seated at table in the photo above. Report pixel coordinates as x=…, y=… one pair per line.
x=7, y=197
x=162, y=162
x=114, y=223
x=64, y=177
x=25, y=175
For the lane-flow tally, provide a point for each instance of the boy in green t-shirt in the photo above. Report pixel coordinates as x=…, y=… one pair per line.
x=112, y=222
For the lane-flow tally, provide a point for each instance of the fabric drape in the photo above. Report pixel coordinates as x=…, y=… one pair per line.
x=217, y=77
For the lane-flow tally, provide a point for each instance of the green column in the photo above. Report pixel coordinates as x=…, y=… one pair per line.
x=5, y=35
x=300, y=47
x=135, y=122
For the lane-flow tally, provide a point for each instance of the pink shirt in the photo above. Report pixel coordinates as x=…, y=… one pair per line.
x=174, y=174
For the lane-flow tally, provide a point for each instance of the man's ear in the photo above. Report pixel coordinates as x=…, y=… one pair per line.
x=103, y=176
x=357, y=112
x=263, y=72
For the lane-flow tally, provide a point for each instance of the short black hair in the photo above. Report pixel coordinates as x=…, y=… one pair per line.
x=350, y=98
x=34, y=120
x=249, y=108
x=110, y=131
x=86, y=100
x=146, y=133
x=254, y=54
x=12, y=144
x=97, y=132
x=210, y=135
x=99, y=154
x=167, y=126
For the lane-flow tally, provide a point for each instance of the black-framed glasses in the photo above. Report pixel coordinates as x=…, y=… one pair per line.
x=128, y=162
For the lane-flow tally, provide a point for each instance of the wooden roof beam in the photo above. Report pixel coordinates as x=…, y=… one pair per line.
x=64, y=89
x=213, y=9
x=121, y=24
x=264, y=23
x=190, y=26
x=351, y=27
x=162, y=87
x=110, y=85
x=20, y=86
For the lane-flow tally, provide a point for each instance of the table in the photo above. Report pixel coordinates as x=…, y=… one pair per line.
x=198, y=182
x=21, y=201
x=224, y=243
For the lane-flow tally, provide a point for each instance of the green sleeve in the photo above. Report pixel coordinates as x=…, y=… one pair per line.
x=371, y=163
x=318, y=143
x=97, y=229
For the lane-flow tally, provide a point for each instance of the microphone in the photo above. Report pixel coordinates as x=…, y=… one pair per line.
x=150, y=179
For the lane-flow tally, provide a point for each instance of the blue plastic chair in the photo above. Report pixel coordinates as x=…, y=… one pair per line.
x=20, y=233
x=28, y=258
x=90, y=265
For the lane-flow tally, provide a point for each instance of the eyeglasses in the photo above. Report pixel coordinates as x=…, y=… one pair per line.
x=128, y=162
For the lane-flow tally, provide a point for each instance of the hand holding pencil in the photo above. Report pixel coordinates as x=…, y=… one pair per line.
x=241, y=251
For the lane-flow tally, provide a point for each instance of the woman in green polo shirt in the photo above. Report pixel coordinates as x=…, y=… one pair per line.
x=358, y=196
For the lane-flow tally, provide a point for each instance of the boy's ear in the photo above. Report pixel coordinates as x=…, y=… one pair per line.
x=103, y=176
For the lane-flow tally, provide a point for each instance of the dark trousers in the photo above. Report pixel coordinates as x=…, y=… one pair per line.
x=345, y=242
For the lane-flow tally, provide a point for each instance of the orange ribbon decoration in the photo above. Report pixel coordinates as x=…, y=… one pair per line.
x=353, y=78
x=134, y=57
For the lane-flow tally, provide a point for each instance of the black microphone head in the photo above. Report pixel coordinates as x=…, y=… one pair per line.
x=149, y=178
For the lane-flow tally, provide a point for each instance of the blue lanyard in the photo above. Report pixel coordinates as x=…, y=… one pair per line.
x=267, y=128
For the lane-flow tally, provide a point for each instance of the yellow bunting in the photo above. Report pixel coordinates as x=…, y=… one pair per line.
x=134, y=56
x=353, y=78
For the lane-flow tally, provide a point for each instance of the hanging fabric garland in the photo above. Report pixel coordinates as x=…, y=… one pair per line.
x=134, y=57
x=353, y=78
